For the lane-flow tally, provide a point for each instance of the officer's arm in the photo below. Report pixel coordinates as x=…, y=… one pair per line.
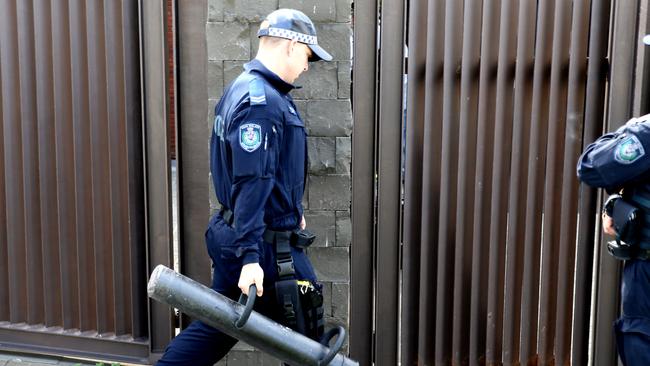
x=617, y=158
x=252, y=139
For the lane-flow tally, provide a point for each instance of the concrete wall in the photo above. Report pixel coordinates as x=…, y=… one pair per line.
x=324, y=103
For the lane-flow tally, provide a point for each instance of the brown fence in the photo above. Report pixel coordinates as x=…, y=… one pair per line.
x=72, y=217
x=497, y=235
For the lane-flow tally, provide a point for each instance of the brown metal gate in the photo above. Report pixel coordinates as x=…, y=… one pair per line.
x=78, y=203
x=495, y=248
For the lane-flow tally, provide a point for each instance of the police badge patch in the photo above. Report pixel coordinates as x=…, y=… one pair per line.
x=250, y=136
x=629, y=150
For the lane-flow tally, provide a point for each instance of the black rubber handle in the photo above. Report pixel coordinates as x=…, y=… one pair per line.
x=243, y=318
x=325, y=340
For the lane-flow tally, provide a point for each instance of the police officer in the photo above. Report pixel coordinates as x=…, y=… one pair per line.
x=620, y=162
x=258, y=160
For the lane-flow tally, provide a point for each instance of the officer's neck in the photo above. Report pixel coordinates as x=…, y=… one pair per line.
x=275, y=64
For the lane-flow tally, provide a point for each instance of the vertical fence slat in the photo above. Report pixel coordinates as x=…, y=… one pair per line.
x=593, y=124
x=82, y=159
x=431, y=179
x=501, y=170
x=569, y=203
x=552, y=189
x=4, y=267
x=502, y=163
x=117, y=164
x=536, y=153
x=448, y=178
x=13, y=165
x=26, y=37
x=388, y=184
x=158, y=172
x=192, y=92
x=517, y=187
x=482, y=191
x=361, y=272
x=470, y=66
x=102, y=221
x=47, y=164
x=65, y=165
x=413, y=179
x=136, y=222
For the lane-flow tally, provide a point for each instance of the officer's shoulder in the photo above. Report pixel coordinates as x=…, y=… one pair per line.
x=260, y=93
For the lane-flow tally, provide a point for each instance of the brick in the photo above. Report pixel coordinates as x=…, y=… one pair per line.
x=331, y=264
x=243, y=358
x=215, y=79
x=253, y=28
x=329, y=192
x=214, y=202
x=232, y=69
x=215, y=10
x=327, y=298
x=345, y=79
x=343, y=11
x=243, y=346
x=340, y=302
x=316, y=10
x=319, y=82
x=323, y=225
x=268, y=360
x=343, y=155
x=228, y=41
x=343, y=229
x=305, y=201
x=322, y=155
x=248, y=10
x=335, y=38
x=210, y=119
x=301, y=105
x=328, y=118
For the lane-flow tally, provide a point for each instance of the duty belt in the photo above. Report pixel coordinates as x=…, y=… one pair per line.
x=297, y=238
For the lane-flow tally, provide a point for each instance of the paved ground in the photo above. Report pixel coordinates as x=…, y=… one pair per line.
x=15, y=359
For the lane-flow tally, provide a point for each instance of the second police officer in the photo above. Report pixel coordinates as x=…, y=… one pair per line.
x=619, y=162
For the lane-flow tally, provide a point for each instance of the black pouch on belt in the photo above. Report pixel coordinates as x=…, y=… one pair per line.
x=626, y=219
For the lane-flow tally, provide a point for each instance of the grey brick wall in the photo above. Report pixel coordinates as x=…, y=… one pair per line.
x=324, y=103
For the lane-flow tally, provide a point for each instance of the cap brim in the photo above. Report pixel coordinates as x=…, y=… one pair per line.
x=318, y=53
x=646, y=40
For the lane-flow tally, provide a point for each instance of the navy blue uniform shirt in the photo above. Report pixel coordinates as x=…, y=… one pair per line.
x=258, y=155
x=618, y=158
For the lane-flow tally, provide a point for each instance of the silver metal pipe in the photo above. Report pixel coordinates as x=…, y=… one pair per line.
x=220, y=312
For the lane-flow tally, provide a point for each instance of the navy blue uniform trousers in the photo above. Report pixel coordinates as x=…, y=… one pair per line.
x=633, y=328
x=200, y=344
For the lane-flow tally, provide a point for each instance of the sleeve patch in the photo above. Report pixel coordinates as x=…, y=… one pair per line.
x=250, y=136
x=629, y=150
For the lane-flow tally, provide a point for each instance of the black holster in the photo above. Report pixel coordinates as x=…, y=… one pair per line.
x=301, y=303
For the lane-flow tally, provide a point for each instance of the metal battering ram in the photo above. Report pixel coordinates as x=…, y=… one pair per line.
x=239, y=321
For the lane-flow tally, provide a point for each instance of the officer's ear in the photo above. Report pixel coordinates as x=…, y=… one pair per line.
x=292, y=47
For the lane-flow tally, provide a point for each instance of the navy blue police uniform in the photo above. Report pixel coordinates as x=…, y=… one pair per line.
x=258, y=157
x=258, y=160
x=615, y=161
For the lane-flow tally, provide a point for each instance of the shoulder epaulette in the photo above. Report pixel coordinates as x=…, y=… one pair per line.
x=256, y=92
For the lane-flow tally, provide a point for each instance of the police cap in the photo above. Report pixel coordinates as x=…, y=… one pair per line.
x=295, y=25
